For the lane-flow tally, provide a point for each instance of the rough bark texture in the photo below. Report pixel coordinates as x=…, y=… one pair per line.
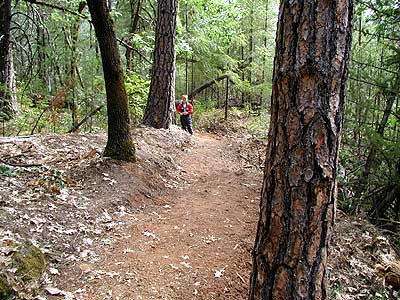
x=161, y=103
x=119, y=143
x=299, y=190
x=8, y=101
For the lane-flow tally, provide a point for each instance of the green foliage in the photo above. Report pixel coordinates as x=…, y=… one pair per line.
x=137, y=89
x=374, y=82
x=6, y=171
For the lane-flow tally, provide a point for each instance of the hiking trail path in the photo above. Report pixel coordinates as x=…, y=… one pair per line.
x=196, y=245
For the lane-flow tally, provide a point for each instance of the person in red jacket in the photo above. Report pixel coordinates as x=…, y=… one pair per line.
x=185, y=109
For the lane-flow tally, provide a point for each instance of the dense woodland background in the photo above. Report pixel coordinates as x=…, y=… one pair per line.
x=224, y=61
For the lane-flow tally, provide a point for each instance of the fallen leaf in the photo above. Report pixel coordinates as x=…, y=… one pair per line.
x=219, y=273
x=54, y=291
x=85, y=268
x=54, y=271
x=149, y=234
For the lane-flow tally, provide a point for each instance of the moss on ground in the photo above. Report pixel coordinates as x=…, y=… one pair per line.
x=30, y=263
x=6, y=291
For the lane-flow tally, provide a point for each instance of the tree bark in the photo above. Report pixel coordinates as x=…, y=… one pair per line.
x=8, y=100
x=299, y=189
x=161, y=103
x=119, y=142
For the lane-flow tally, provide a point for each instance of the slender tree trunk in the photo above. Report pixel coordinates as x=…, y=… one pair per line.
x=136, y=7
x=192, y=84
x=8, y=100
x=371, y=161
x=242, y=77
x=41, y=48
x=186, y=55
x=119, y=143
x=299, y=190
x=265, y=44
x=251, y=46
x=74, y=64
x=161, y=103
x=226, y=98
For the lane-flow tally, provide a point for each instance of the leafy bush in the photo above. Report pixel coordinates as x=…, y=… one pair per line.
x=137, y=89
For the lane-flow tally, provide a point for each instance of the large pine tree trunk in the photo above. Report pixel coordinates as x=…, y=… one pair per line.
x=161, y=103
x=119, y=143
x=299, y=190
x=8, y=101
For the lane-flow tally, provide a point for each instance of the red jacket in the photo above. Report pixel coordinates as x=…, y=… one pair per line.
x=189, y=107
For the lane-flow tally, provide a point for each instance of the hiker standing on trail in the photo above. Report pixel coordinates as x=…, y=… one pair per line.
x=185, y=109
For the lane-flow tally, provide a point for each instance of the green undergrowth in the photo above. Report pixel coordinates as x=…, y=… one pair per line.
x=208, y=118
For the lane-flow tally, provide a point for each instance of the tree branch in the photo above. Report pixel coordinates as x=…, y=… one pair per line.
x=84, y=120
x=126, y=45
x=64, y=9
x=207, y=84
x=372, y=66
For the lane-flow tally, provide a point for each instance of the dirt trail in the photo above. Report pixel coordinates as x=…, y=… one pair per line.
x=196, y=246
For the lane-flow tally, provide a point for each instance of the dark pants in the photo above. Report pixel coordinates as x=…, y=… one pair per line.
x=186, y=123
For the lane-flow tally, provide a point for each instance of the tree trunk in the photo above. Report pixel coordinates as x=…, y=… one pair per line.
x=186, y=55
x=41, y=49
x=161, y=103
x=135, y=17
x=265, y=44
x=371, y=161
x=243, y=96
x=8, y=100
x=226, y=99
x=192, y=76
x=119, y=143
x=74, y=64
x=299, y=190
x=251, y=47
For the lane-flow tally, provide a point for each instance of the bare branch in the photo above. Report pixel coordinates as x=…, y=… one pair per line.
x=64, y=9
x=126, y=45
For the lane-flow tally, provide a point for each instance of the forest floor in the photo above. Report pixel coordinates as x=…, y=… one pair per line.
x=178, y=224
